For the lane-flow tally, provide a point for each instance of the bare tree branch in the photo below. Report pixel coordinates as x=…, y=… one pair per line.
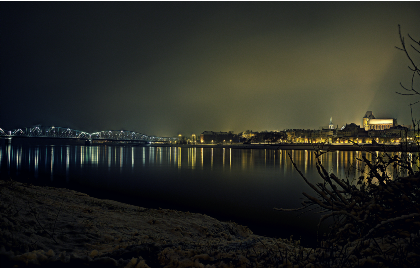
x=414, y=68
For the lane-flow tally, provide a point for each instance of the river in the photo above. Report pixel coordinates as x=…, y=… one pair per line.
x=241, y=185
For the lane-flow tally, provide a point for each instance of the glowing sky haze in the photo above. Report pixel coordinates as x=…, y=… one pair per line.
x=163, y=68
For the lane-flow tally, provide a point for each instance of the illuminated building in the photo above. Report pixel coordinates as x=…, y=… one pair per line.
x=371, y=123
x=210, y=137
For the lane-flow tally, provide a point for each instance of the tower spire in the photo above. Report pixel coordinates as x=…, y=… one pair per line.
x=331, y=126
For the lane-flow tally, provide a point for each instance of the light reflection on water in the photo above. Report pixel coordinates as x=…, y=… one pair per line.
x=344, y=164
x=242, y=185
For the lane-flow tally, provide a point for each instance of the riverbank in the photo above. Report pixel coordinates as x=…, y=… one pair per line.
x=305, y=146
x=40, y=225
x=61, y=227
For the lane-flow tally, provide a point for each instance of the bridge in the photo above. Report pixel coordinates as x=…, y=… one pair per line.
x=39, y=131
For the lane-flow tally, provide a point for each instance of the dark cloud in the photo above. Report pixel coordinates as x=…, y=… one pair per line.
x=165, y=68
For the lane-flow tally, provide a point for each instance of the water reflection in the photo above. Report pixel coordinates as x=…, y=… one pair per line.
x=132, y=158
x=230, y=158
x=109, y=153
x=212, y=158
x=51, y=162
x=202, y=157
x=179, y=158
x=67, y=162
x=121, y=158
x=36, y=161
x=64, y=159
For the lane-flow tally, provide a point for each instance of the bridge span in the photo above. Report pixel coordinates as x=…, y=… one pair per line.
x=60, y=135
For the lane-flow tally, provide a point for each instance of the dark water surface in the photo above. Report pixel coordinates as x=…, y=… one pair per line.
x=241, y=185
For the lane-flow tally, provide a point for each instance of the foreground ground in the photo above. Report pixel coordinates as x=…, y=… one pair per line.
x=60, y=227
x=44, y=225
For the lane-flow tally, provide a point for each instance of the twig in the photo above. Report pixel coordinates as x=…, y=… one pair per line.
x=34, y=213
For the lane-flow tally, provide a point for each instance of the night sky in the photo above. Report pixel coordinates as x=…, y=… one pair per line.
x=164, y=68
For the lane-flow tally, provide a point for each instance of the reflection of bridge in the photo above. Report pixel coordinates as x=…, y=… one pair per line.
x=66, y=133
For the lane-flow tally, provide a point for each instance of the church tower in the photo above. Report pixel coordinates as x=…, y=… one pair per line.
x=369, y=115
x=331, y=125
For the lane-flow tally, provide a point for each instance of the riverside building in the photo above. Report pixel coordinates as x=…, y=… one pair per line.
x=371, y=123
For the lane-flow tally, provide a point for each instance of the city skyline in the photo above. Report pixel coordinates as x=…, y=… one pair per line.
x=369, y=122
x=167, y=68
x=325, y=126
